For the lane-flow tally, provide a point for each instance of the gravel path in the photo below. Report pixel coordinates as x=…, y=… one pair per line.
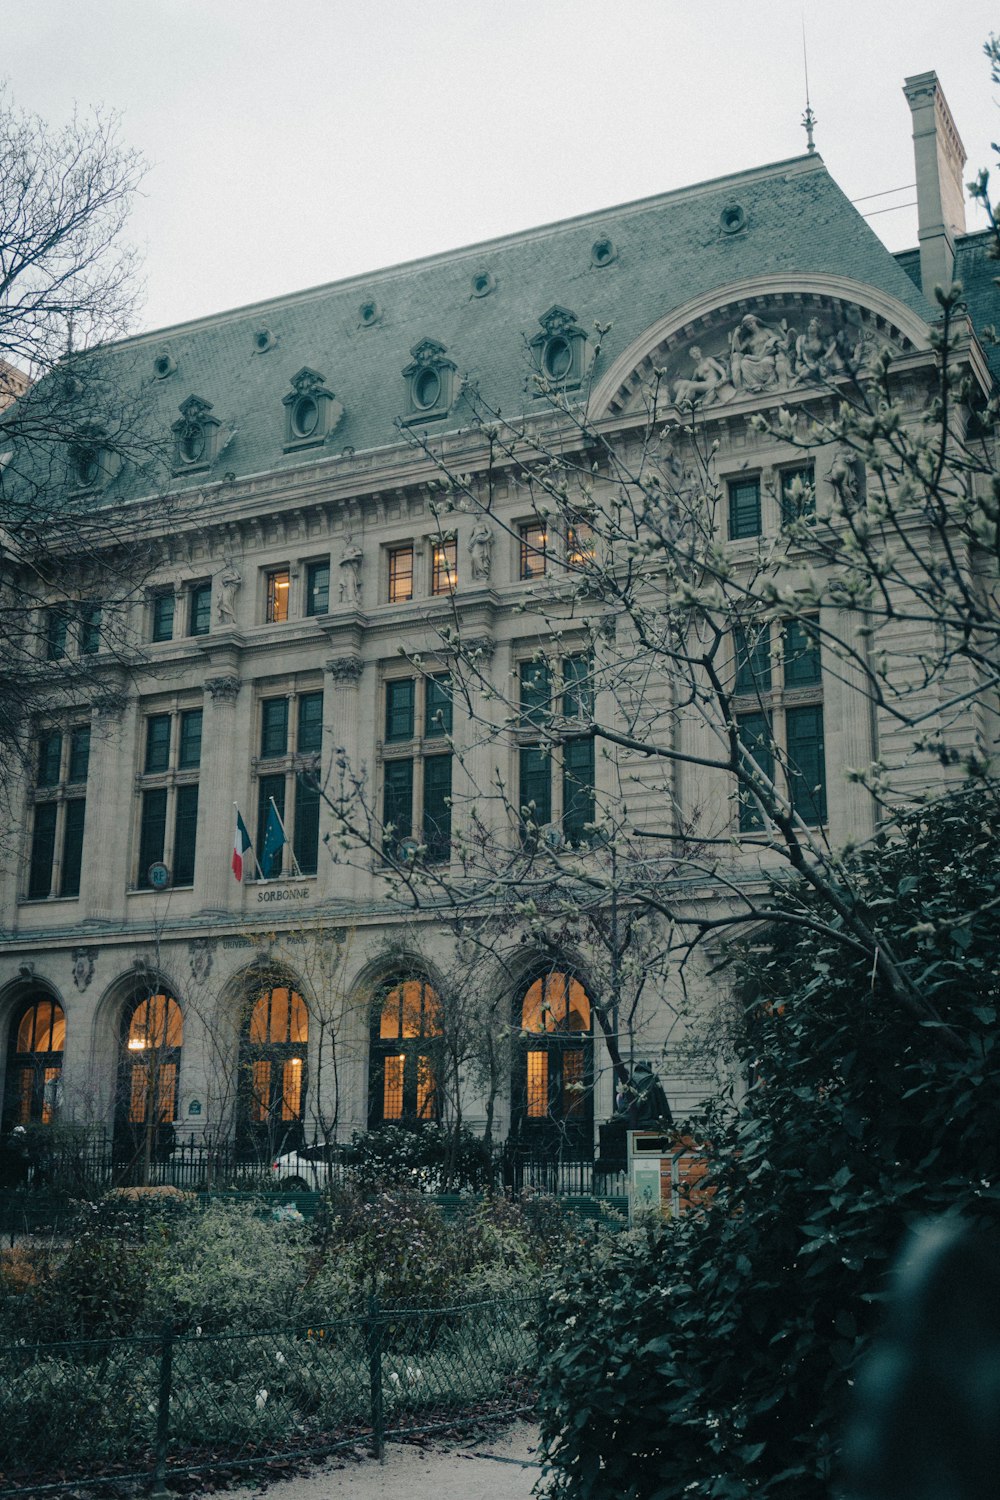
x=502, y=1467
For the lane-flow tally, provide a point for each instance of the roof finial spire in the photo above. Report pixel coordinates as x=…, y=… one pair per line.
x=808, y=119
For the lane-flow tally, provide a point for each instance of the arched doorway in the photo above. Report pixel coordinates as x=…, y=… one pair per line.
x=151, y=1039
x=35, y=1047
x=273, y=1072
x=404, y=1072
x=553, y=1081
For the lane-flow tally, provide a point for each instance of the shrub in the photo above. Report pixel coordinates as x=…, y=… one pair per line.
x=427, y=1156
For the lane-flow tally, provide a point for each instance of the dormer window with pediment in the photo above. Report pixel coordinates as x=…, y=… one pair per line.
x=312, y=411
x=91, y=463
x=430, y=378
x=195, y=435
x=560, y=350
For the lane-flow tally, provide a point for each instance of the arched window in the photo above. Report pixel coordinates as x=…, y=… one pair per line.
x=34, y=1063
x=273, y=1071
x=152, y=1035
x=553, y=1086
x=404, y=1067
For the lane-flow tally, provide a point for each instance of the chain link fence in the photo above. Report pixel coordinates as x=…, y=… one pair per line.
x=140, y=1411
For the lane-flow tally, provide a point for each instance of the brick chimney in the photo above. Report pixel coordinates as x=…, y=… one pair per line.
x=939, y=157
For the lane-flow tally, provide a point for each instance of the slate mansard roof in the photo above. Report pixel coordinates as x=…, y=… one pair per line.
x=666, y=251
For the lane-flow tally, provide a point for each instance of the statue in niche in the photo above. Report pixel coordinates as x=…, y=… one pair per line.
x=481, y=552
x=704, y=383
x=759, y=358
x=350, y=573
x=843, y=477
x=816, y=355
x=225, y=601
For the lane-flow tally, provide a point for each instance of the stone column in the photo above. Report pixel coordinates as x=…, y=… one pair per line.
x=347, y=780
x=107, y=836
x=215, y=886
x=480, y=744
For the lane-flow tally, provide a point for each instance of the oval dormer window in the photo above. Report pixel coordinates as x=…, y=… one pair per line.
x=305, y=416
x=558, y=359
x=193, y=445
x=88, y=467
x=427, y=389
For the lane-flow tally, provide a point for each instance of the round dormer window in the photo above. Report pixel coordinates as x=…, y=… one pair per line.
x=163, y=365
x=193, y=444
x=305, y=416
x=557, y=360
x=88, y=467
x=427, y=389
x=483, y=283
x=732, y=219
x=263, y=340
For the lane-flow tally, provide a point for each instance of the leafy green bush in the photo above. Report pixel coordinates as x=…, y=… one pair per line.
x=427, y=1156
x=715, y=1355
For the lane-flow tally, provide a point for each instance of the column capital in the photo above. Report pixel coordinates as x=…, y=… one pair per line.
x=223, y=689
x=345, y=670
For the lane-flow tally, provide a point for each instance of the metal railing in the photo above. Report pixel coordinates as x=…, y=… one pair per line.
x=140, y=1410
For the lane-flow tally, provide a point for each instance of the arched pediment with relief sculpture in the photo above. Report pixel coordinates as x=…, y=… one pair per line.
x=761, y=340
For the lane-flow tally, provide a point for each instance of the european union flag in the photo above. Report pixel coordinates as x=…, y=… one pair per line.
x=274, y=838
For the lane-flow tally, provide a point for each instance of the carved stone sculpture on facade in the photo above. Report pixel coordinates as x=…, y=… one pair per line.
x=225, y=601
x=481, y=552
x=758, y=356
x=705, y=382
x=350, y=573
x=817, y=355
x=843, y=477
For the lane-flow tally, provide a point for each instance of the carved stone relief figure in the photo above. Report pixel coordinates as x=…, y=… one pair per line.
x=83, y=967
x=843, y=477
x=758, y=356
x=350, y=573
x=817, y=355
x=229, y=582
x=703, y=385
x=481, y=552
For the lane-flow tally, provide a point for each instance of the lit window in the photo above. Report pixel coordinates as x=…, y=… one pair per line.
x=34, y=1063
x=276, y=600
x=273, y=1071
x=579, y=544
x=400, y=574
x=405, y=1063
x=533, y=542
x=553, y=1081
x=152, y=1037
x=444, y=574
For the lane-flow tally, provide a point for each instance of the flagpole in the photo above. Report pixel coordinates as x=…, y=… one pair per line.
x=282, y=827
x=253, y=851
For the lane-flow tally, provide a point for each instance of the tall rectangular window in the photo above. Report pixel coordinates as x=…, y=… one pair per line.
x=416, y=776
x=806, y=762
x=535, y=683
x=276, y=589
x=56, y=633
x=578, y=790
x=801, y=652
x=90, y=629
x=163, y=616
x=59, y=814
x=291, y=734
x=200, y=609
x=535, y=788
x=556, y=780
x=744, y=508
x=798, y=494
x=752, y=650
x=533, y=543
x=318, y=588
x=400, y=574
x=444, y=567
x=754, y=732
x=168, y=811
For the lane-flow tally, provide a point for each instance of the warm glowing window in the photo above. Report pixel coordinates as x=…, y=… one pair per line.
x=404, y=1079
x=153, y=1039
x=533, y=543
x=34, y=1070
x=555, y=1002
x=538, y=1085
x=276, y=607
x=553, y=1084
x=156, y=1023
x=279, y=1015
x=273, y=1071
x=400, y=574
x=579, y=544
x=444, y=572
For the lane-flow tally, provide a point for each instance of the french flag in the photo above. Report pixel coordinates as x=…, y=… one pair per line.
x=241, y=845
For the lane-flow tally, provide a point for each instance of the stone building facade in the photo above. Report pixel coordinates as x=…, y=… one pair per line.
x=297, y=643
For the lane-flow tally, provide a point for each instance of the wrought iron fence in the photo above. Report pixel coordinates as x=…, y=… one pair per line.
x=143, y=1409
x=86, y=1163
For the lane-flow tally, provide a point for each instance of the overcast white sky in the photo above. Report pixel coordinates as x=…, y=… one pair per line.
x=296, y=143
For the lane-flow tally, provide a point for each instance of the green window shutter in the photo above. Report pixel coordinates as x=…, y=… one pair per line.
x=744, y=508
x=578, y=790
x=536, y=692
x=752, y=649
x=801, y=652
x=310, y=727
x=754, y=732
x=437, y=806
x=157, y=744
x=152, y=831
x=72, y=860
x=400, y=698
x=807, y=762
x=535, y=788
x=306, y=840
x=189, y=755
x=274, y=726
x=43, y=848
x=185, y=834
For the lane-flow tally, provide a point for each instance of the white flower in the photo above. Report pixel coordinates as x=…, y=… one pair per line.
x=261, y=1400
x=279, y=1359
